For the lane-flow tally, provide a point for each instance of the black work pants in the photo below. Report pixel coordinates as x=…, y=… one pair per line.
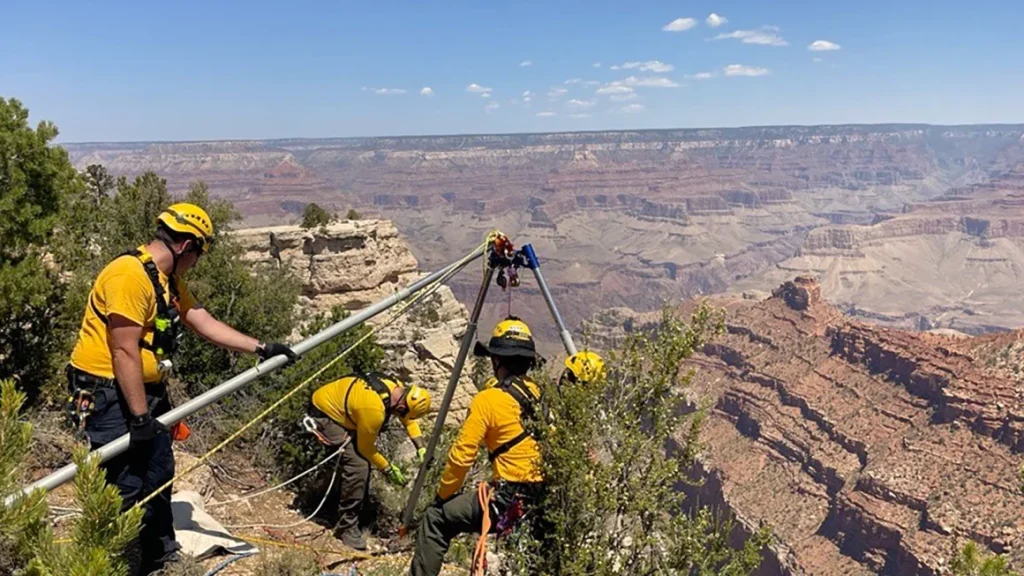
x=137, y=472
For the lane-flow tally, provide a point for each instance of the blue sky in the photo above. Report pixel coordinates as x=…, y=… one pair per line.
x=222, y=70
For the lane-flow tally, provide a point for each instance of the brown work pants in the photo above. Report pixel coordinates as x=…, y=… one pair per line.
x=355, y=471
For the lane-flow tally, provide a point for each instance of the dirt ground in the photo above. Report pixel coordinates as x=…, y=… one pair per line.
x=295, y=549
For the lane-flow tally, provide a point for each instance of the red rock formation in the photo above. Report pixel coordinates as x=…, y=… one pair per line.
x=867, y=450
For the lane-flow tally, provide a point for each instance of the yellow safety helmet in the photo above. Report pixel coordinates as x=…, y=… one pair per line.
x=189, y=219
x=584, y=367
x=418, y=401
x=511, y=337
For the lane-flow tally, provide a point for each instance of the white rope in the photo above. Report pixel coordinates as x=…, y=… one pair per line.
x=315, y=512
x=281, y=485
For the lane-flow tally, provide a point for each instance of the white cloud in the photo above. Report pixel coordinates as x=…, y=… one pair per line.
x=491, y=106
x=650, y=82
x=714, y=20
x=557, y=92
x=477, y=89
x=545, y=114
x=388, y=91
x=526, y=63
x=822, y=46
x=817, y=59
x=623, y=97
x=426, y=91
x=526, y=94
x=701, y=76
x=679, y=25
x=581, y=81
x=649, y=66
x=597, y=65
x=754, y=37
x=631, y=108
x=485, y=95
x=580, y=103
x=614, y=88
x=579, y=115
x=741, y=70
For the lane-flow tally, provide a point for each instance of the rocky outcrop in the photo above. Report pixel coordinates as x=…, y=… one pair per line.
x=352, y=264
x=867, y=450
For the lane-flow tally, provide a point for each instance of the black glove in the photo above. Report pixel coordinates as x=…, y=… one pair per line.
x=143, y=430
x=265, y=351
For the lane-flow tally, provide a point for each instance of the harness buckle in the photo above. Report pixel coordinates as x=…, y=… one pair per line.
x=310, y=425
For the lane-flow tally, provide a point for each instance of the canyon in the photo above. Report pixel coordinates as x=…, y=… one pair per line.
x=868, y=450
x=914, y=226
x=867, y=397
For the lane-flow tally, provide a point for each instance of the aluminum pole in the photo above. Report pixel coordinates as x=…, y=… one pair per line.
x=442, y=412
x=534, y=264
x=118, y=446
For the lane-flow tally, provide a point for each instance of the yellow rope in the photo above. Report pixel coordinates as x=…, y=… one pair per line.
x=202, y=460
x=348, y=555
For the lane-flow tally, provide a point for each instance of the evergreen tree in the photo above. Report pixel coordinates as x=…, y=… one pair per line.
x=313, y=216
x=35, y=179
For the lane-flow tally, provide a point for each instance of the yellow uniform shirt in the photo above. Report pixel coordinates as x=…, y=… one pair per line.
x=364, y=414
x=493, y=419
x=122, y=288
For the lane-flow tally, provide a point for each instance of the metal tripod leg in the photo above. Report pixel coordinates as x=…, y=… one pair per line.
x=442, y=412
x=563, y=332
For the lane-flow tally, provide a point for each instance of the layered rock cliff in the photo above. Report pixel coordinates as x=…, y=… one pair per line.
x=353, y=264
x=634, y=218
x=868, y=450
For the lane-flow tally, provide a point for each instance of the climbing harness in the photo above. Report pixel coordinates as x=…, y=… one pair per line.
x=516, y=388
x=167, y=323
x=507, y=520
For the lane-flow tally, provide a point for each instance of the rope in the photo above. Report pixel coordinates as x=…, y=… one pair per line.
x=228, y=562
x=281, y=485
x=427, y=290
x=484, y=493
x=319, y=506
x=347, y=555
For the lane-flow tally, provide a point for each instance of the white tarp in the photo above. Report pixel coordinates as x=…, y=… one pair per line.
x=198, y=533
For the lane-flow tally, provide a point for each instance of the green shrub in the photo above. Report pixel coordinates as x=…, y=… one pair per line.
x=99, y=535
x=972, y=561
x=613, y=458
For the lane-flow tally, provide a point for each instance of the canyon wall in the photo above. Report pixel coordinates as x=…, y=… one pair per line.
x=637, y=218
x=868, y=450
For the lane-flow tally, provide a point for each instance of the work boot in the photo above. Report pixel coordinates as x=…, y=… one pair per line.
x=353, y=538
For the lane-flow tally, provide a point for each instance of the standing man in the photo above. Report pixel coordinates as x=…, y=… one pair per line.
x=116, y=374
x=495, y=419
x=351, y=412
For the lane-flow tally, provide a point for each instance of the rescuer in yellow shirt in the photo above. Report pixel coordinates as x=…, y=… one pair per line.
x=495, y=420
x=133, y=317
x=356, y=408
